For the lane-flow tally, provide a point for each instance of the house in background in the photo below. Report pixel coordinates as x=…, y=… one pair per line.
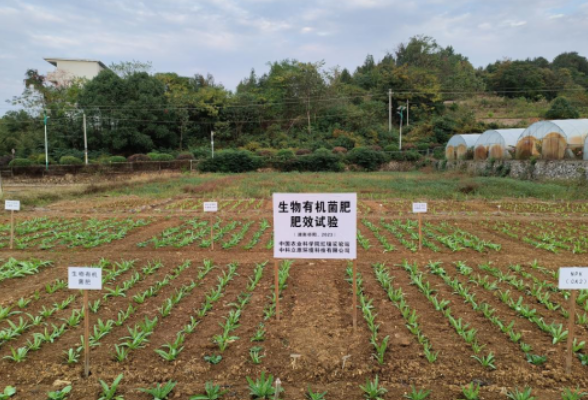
x=70, y=69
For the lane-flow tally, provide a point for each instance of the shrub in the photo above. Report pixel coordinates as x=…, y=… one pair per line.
x=285, y=154
x=320, y=160
x=391, y=147
x=303, y=152
x=201, y=153
x=185, y=156
x=70, y=160
x=339, y=150
x=253, y=146
x=561, y=108
x=138, y=158
x=412, y=156
x=265, y=152
x=160, y=157
x=20, y=162
x=366, y=158
x=39, y=159
x=230, y=161
x=405, y=156
x=116, y=159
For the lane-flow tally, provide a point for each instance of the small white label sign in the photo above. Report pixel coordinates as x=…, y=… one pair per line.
x=210, y=206
x=419, y=207
x=574, y=278
x=85, y=278
x=12, y=205
x=315, y=226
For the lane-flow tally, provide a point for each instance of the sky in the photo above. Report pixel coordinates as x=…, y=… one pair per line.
x=228, y=38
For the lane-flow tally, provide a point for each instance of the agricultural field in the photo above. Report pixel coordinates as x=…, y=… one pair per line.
x=188, y=304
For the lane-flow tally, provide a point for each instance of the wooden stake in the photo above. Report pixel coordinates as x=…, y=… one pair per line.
x=11, y=229
x=211, y=235
x=571, y=324
x=277, y=290
x=87, y=335
x=420, y=232
x=354, y=296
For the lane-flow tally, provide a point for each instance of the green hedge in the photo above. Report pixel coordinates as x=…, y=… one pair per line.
x=70, y=160
x=160, y=157
x=320, y=160
x=117, y=159
x=21, y=162
x=366, y=158
x=231, y=161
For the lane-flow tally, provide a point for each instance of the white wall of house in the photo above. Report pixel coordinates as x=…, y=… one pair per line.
x=68, y=69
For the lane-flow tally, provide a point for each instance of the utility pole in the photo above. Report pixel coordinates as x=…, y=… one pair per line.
x=400, y=111
x=85, y=140
x=46, y=144
x=407, y=114
x=389, y=110
x=212, y=142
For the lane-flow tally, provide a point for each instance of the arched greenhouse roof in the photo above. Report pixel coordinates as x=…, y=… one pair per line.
x=468, y=140
x=504, y=137
x=573, y=130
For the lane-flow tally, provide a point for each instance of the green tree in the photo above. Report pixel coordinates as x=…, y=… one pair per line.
x=561, y=108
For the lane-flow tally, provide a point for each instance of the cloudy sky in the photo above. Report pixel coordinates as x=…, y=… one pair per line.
x=228, y=37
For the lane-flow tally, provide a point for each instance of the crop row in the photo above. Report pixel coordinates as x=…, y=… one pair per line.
x=233, y=205
x=46, y=234
x=198, y=231
x=406, y=232
x=544, y=235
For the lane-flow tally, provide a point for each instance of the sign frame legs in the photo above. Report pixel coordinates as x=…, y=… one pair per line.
x=571, y=325
x=11, y=229
x=420, y=232
x=354, y=273
x=277, y=289
x=86, y=335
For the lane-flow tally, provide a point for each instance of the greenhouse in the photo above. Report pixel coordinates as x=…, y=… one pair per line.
x=586, y=149
x=553, y=140
x=497, y=143
x=458, y=145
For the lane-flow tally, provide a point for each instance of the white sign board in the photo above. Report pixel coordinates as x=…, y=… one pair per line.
x=419, y=207
x=85, y=278
x=315, y=226
x=574, y=278
x=210, y=206
x=12, y=205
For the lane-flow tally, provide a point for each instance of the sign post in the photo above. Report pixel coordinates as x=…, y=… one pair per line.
x=211, y=207
x=315, y=226
x=574, y=279
x=85, y=278
x=12, y=206
x=420, y=208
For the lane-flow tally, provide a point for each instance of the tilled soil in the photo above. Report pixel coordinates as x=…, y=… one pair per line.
x=314, y=343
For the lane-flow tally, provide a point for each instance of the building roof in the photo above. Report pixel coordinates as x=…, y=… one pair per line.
x=53, y=61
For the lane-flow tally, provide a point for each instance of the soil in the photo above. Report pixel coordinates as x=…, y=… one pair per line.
x=314, y=337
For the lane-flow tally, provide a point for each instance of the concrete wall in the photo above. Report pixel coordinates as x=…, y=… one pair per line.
x=524, y=169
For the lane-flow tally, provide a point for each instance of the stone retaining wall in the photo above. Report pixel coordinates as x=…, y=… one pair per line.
x=523, y=169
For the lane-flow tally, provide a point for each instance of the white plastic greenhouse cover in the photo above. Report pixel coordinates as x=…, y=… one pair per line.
x=571, y=129
x=459, y=144
x=468, y=140
x=496, y=143
x=553, y=137
x=504, y=137
x=586, y=149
